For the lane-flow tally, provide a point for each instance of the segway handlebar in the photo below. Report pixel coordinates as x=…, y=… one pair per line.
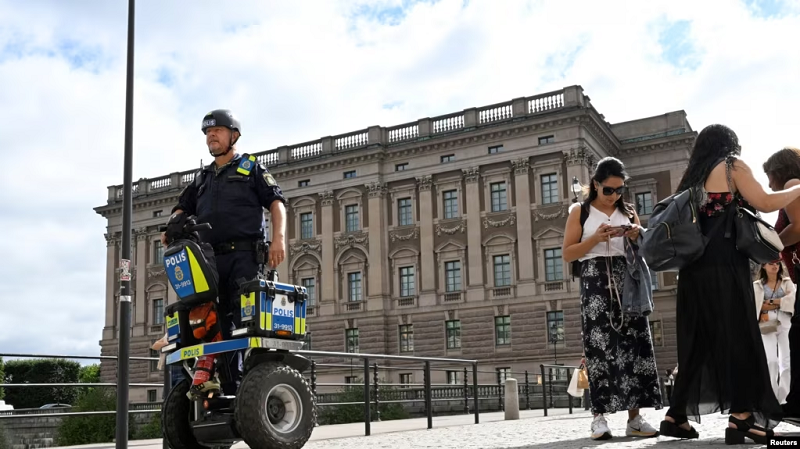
x=189, y=228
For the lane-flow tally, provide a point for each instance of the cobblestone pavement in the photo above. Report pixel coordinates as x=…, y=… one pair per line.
x=531, y=431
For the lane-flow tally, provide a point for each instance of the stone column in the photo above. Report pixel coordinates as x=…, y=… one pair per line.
x=428, y=265
x=524, y=225
x=326, y=292
x=377, y=286
x=475, y=253
x=111, y=277
x=141, y=277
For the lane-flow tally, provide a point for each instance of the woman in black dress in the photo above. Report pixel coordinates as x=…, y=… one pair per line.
x=723, y=366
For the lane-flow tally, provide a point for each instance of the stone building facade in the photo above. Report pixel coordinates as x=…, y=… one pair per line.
x=439, y=237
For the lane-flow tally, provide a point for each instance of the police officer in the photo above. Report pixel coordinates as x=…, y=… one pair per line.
x=230, y=194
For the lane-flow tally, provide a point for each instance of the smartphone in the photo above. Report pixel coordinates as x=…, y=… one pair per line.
x=620, y=230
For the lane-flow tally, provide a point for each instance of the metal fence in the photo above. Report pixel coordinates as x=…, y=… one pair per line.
x=544, y=388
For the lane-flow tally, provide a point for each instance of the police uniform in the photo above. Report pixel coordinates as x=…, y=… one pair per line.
x=232, y=198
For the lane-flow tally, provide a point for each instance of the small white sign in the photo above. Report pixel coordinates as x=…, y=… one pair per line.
x=124, y=270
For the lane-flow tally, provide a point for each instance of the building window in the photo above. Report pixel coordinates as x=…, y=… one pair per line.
x=152, y=396
x=553, y=265
x=406, y=379
x=503, y=373
x=452, y=271
x=657, y=333
x=303, y=183
x=495, y=149
x=351, y=218
x=555, y=326
x=546, y=139
x=354, y=286
x=644, y=203
x=502, y=270
x=452, y=377
x=450, y=204
x=306, y=225
x=310, y=285
x=351, y=379
x=654, y=280
x=157, y=213
x=407, y=282
x=502, y=330
x=407, y=338
x=351, y=340
x=499, y=196
x=550, y=188
x=307, y=342
x=453, y=330
x=154, y=363
x=448, y=158
x=158, y=253
x=401, y=167
x=404, y=215
x=350, y=174
x=158, y=311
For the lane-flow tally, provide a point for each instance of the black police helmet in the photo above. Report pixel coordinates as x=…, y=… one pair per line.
x=221, y=117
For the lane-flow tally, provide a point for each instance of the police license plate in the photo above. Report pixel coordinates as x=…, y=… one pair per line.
x=282, y=314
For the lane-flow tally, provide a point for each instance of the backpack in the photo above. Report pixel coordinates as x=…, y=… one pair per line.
x=673, y=238
x=576, y=264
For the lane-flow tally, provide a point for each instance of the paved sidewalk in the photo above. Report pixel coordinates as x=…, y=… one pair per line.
x=532, y=431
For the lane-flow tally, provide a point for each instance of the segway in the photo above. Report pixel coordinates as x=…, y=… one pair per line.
x=274, y=407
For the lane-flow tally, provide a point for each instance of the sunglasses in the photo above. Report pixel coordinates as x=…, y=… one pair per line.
x=608, y=191
x=774, y=262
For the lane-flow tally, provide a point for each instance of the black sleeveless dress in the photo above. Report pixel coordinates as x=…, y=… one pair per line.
x=722, y=366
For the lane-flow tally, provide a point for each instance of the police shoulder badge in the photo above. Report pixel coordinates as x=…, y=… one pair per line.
x=269, y=179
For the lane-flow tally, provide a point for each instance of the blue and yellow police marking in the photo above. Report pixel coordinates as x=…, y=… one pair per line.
x=192, y=352
x=246, y=164
x=200, y=282
x=173, y=329
x=248, y=305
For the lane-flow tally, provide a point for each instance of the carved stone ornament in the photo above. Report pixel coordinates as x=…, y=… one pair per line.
x=326, y=198
x=508, y=221
x=312, y=246
x=560, y=213
x=424, y=182
x=471, y=174
x=521, y=166
x=460, y=226
x=395, y=236
x=352, y=240
x=376, y=189
x=156, y=273
x=110, y=240
x=579, y=156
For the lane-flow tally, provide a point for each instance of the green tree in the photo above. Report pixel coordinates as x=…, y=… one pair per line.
x=343, y=414
x=89, y=374
x=2, y=379
x=41, y=371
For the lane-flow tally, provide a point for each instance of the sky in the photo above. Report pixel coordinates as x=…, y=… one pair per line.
x=297, y=71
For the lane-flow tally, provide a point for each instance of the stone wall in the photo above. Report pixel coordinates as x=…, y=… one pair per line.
x=42, y=431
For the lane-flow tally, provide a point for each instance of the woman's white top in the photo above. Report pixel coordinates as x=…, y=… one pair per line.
x=593, y=222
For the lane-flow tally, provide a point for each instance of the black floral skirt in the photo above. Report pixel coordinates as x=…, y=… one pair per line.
x=620, y=359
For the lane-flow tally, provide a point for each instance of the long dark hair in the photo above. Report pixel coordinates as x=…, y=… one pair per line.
x=762, y=273
x=714, y=142
x=609, y=167
x=783, y=165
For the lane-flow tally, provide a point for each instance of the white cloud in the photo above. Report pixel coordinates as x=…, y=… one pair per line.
x=297, y=71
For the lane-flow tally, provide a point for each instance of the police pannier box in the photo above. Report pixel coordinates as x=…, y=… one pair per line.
x=273, y=309
x=192, y=271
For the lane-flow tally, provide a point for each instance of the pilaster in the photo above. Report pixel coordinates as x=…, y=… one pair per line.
x=428, y=264
x=474, y=255
x=524, y=225
x=111, y=271
x=377, y=285
x=326, y=291
x=141, y=277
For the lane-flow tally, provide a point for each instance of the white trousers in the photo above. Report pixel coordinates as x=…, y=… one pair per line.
x=776, y=345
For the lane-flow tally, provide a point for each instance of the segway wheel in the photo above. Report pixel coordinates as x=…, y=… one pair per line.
x=176, y=416
x=275, y=407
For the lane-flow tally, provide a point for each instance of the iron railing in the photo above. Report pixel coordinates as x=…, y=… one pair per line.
x=468, y=391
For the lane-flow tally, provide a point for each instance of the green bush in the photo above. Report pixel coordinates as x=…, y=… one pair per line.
x=151, y=430
x=89, y=374
x=343, y=414
x=41, y=371
x=91, y=429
